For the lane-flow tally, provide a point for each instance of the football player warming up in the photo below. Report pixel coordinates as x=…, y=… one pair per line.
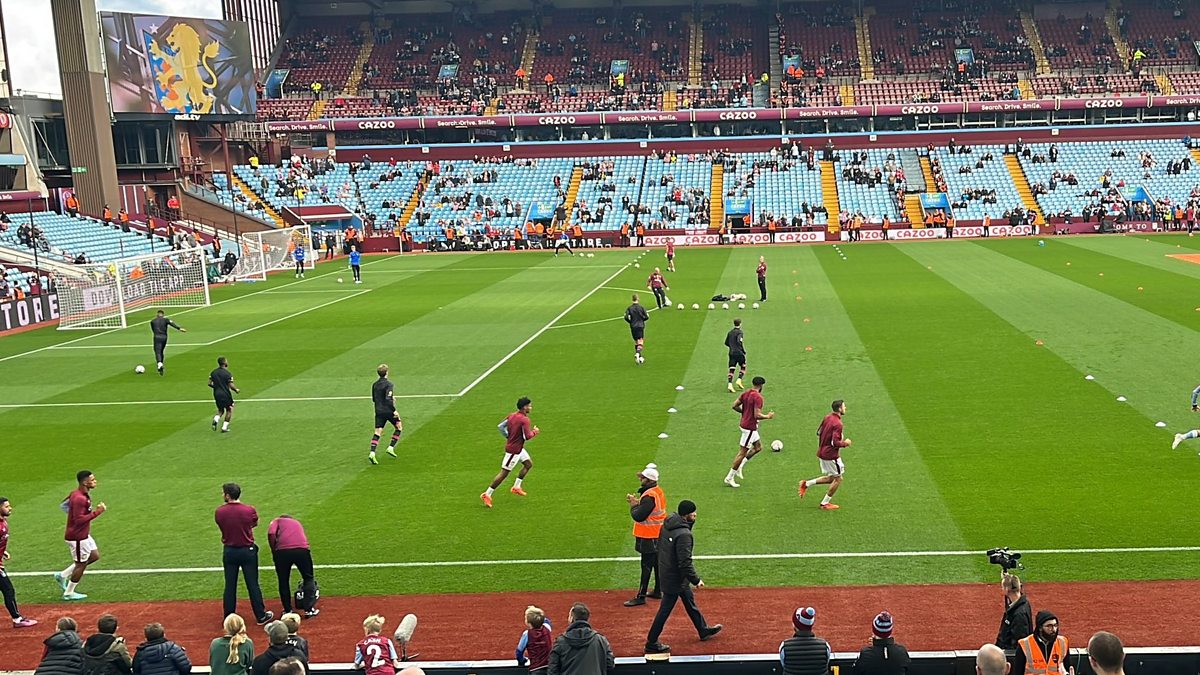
x=829, y=449
x=516, y=429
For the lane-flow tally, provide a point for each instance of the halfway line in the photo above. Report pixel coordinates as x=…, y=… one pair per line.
x=612, y=559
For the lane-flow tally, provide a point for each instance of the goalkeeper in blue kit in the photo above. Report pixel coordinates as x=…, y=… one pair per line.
x=298, y=256
x=1194, y=433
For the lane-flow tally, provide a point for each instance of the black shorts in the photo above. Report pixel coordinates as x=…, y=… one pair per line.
x=382, y=419
x=670, y=257
x=637, y=331
x=224, y=404
x=737, y=360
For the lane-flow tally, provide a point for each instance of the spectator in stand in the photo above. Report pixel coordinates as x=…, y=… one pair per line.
x=288, y=666
x=884, y=656
x=64, y=651
x=278, y=650
x=159, y=656
x=1106, y=654
x=990, y=660
x=232, y=653
x=1018, y=617
x=105, y=652
x=292, y=621
x=1043, y=652
x=580, y=650
x=536, y=642
x=804, y=653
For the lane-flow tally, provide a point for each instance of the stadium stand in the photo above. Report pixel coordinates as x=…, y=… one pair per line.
x=610, y=191
x=675, y=193
x=733, y=44
x=323, y=50
x=1162, y=31
x=867, y=181
x=63, y=238
x=1078, y=43
x=579, y=46
x=820, y=34
x=975, y=180
x=779, y=186
x=921, y=37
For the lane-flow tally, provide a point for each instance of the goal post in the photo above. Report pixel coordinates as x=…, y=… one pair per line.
x=270, y=250
x=104, y=294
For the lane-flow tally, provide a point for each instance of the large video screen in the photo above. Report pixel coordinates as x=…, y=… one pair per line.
x=186, y=67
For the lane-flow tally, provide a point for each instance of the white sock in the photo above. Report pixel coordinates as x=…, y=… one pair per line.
x=216, y=418
x=809, y=483
x=160, y=364
x=489, y=491
x=70, y=587
x=517, y=483
x=827, y=499
x=66, y=574
x=730, y=476
x=225, y=426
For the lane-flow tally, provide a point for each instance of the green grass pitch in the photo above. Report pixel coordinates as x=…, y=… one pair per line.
x=967, y=433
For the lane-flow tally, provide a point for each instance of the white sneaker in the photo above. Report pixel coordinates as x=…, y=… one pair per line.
x=730, y=482
x=359, y=281
x=1178, y=439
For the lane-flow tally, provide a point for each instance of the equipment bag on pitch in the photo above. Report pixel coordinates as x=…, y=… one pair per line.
x=307, y=595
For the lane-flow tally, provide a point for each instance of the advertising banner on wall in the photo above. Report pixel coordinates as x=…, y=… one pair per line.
x=18, y=314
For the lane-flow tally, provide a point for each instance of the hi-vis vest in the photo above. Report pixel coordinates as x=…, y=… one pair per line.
x=1036, y=664
x=652, y=525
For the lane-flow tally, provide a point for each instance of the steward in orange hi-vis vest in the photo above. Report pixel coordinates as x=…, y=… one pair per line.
x=649, y=511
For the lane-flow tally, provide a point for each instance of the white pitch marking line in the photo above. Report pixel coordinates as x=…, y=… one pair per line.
x=541, y=330
x=496, y=269
x=287, y=399
x=285, y=318
x=589, y=323
x=835, y=555
x=631, y=290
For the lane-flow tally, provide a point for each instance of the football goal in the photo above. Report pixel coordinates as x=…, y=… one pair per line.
x=106, y=293
x=270, y=250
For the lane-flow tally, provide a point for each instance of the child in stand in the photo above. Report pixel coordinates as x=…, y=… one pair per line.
x=536, y=642
x=375, y=653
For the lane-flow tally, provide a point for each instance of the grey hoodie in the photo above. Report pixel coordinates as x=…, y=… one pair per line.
x=581, y=651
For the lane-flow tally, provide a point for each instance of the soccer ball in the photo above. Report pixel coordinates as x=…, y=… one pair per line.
x=640, y=359
x=591, y=255
x=741, y=305
x=638, y=265
x=695, y=306
x=776, y=445
x=724, y=305
x=755, y=305
x=1041, y=242
x=711, y=306
x=139, y=369
x=339, y=280
x=680, y=306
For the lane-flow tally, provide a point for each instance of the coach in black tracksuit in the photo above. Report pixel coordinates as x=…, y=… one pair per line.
x=677, y=575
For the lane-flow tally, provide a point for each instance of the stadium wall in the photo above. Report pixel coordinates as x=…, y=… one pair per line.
x=901, y=139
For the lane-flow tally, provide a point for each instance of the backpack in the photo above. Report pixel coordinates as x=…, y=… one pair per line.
x=720, y=298
x=307, y=595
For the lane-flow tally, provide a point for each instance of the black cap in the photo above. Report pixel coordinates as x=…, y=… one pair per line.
x=687, y=507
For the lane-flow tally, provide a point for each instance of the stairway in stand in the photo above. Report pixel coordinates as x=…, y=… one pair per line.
x=716, y=197
x=847, y=93
x=573, y=193
x=1042, y=64
x=695, y=47
x=1022, y=184
x=1026, y=88
x=1114, y=30
x=912, y=207
x=318, y=109
x=272, y=214
x=529, y=54
x=410, y=207
x=829, y=191
x=927, y=174
x=670, y=100
x=354, y=80
x=1195, y=156
x=1164, y=84
x=862, y=35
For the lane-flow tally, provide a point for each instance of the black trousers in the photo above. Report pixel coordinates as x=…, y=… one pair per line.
x=660, y=296
x=160, y=348
x=649, y=550
x=357, y=272
x=665, y=608
x=284, y=560
x=244, y=560
x=10, y=595
x=762, y=288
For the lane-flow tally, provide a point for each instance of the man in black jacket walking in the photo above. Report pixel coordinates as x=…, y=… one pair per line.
x=580, y=650
x=1018, y=617
x=804, y=653
x=884, y=656
x=676, y=575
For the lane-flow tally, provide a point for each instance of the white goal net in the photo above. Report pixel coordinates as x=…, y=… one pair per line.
x=106, y=293
x=270, y=250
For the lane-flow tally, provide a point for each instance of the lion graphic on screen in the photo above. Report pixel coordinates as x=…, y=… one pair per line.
x=183, y=88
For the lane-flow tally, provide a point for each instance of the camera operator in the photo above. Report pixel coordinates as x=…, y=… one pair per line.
x=1018, y=616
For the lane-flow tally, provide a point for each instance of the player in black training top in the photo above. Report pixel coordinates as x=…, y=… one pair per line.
x=221, y=381
x=737, y=354
x=385, y=412
x=636, y=316
x=158, y=325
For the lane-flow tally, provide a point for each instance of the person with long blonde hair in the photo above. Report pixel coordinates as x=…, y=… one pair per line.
x=232, y=653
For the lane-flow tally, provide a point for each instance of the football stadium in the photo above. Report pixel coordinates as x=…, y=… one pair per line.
x=414, y=336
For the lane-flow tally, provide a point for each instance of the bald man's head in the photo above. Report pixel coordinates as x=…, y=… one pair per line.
x=991, y=661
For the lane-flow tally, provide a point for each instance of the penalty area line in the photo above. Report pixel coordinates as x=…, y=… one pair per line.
x=623, y=559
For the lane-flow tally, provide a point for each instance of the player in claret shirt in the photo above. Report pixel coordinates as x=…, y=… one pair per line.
x=829, y=446
x=516, y=429
x=658, y=285
x=84, y=551
x=750, y=405
x=6, y=587
x=375, y=653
